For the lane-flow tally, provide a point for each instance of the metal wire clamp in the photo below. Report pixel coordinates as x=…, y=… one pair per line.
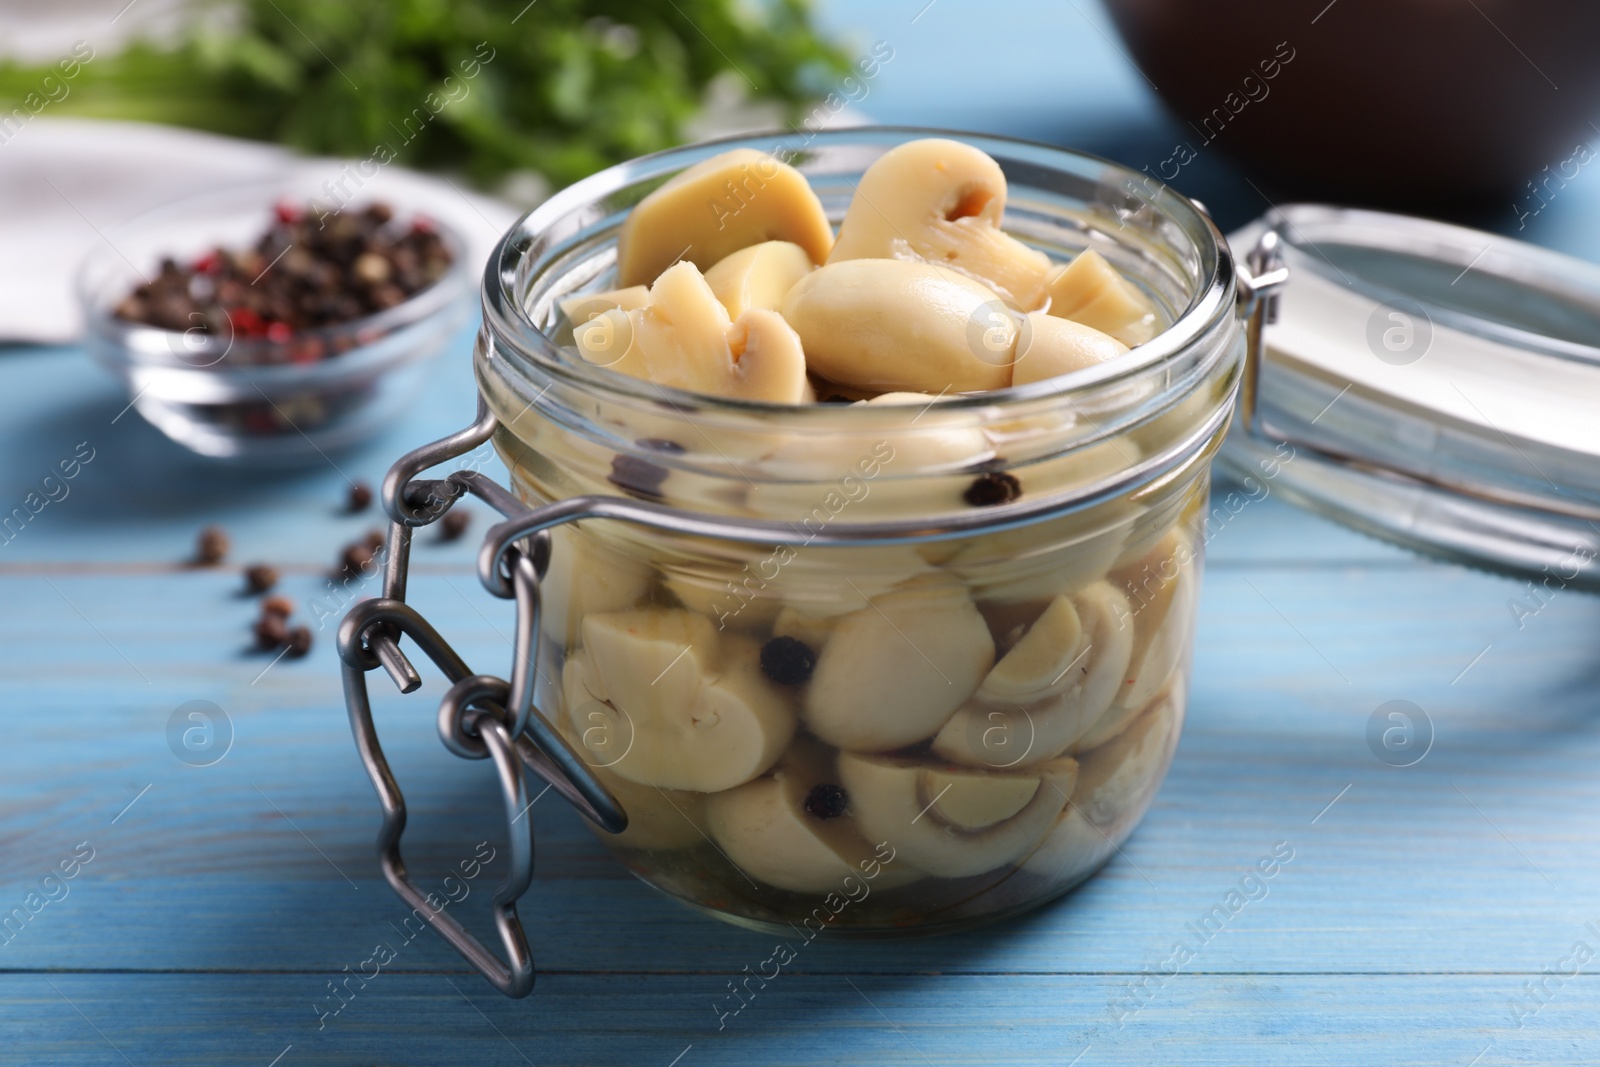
x=480, y=716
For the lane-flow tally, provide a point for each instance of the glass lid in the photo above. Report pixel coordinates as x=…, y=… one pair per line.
x=1426, y=383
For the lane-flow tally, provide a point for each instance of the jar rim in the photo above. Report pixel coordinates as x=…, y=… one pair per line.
x=507, y=318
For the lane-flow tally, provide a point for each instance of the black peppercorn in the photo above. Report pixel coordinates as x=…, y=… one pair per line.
x=354, y=559
x=259, y=577
x=787, y=661
x=299, y=642
x=637, y=476
x=661, y=444
x=995, y=487
x=211, y=547
x=271, y=631
x=827, y=801
x=454, y=524
x=280, y=606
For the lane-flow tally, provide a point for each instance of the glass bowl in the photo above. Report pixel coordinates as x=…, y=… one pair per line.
x=250, y=399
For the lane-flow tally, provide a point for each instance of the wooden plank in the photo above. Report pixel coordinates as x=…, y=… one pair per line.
x=671, y=1021
x=221, y=900
x=1437, y=867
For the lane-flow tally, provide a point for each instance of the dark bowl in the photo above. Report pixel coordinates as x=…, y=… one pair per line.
x=1392, y=102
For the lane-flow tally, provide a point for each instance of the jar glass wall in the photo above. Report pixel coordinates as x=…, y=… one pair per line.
x=954, y=690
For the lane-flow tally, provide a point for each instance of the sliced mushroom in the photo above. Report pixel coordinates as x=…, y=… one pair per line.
x=899, y=801
x=971, y=800
x=1157, y=516
x=1040, y=661
x=941, y=201
x=780, y=831
x=1009, y=620
x=585, y=577
x=1121, y=774
x=1073, y=849
x=1089, y=290
x=1022, y=565
x=801, y=467
x=675, y=705
x=1104, y=611
x=1112, y=722
x=715, y=208
x=683, y=338
x=889, y=325
x=768, y=361
x=581, y=308
x=658, y=819
x=748, y=591
x=893, y=672
x=1161, y=591
x=1050, y=347
x=1049, y=689
x=931, y=441
x=1161, y=596
x=733, y=597
x=759, y=276
x=1120, y=714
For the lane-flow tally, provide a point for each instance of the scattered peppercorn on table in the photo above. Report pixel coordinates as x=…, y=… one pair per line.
x=1300, y=890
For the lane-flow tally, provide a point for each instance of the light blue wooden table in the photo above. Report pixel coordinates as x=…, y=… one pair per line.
x=1435, y=914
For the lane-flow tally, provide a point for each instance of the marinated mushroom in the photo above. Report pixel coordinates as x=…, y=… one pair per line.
x=811, y=630
x=1027, y=564
x=1050, y=347
x=891, y=325
x=950, y=821
x=775, y=830
x=658, y=819
x=1053, y=685
x=1072, y=850
x=1160, y=593
x=749, y=591
x=678, y=706
x=581, y=308
x=882, y=472
x=1120, y=774
x=684, y=338
x=893, y=672
x=716, y=207
x=941, y=201
x=759, y=276
x=1090, y=291
x=1041, y=660
x=586, y=577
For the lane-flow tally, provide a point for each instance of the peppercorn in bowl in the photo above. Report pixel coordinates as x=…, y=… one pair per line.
x=266, y=325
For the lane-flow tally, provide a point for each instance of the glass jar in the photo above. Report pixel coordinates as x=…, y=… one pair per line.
x=951, y=689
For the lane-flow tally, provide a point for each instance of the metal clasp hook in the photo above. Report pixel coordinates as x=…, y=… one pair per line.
x=481, y=716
